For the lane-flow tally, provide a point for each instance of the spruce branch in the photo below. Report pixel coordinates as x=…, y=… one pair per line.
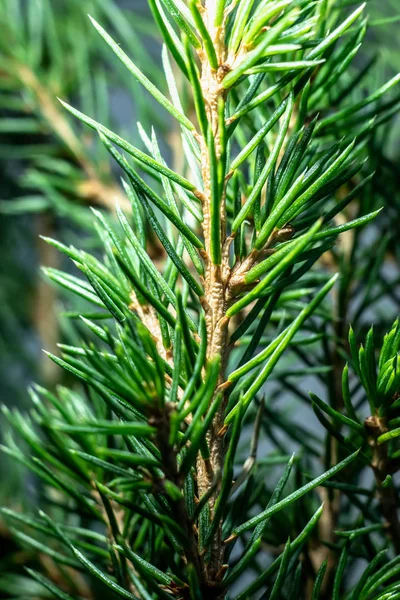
x=187, y=351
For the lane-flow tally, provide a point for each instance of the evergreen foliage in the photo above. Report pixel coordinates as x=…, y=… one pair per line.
x=166, y=468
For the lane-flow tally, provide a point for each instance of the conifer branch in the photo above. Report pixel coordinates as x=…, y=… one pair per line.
x=204, y=289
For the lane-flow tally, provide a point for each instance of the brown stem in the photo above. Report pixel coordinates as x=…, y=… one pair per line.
x=43, y=303
x=161, y=420
x=93, y=189
x=376, y=426
x=328, y=522
x=216, y=278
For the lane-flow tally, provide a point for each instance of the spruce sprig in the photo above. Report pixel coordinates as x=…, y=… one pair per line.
x=137, y=463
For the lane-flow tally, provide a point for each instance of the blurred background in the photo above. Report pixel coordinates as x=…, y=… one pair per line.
x=53, y=170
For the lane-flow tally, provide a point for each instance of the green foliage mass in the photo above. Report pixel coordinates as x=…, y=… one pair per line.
x=165, y=468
